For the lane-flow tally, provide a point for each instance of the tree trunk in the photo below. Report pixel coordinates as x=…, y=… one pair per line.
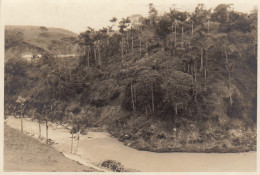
x=84, y=55
x=95, y=54
x=40, y=132
x=192, y=76
x=21, y=124
x=132, y=44
x=77, y=141
x=122, y=50
x=99, y=56
x=47, y=131
x=71, y=141
x=181, y=36
x=175, y=37
x=21, y=118
x=205, y=65
x=205, y=73
x=172, y=34
x=192, y=27
x=176, y=108
x=195, y=71
x=205, y=70
x=140, y=46
x=229, y=86
x=88, y=56
x=208, y=26
x=195, y=97
x=135, y=94
x=152, y=98
x=127, y=42
x=132, y=96
x=147, y=49
x=226, y=55
x=201, y=60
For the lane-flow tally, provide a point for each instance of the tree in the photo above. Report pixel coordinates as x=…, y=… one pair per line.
x=221, y=13
x=206, y=43
x=98, y=45
x=79, y=120
x=177, y=86
x=123, y=24
x=163, y=28
x=152, y=14
x=21, y=101
x=200, y=14
x=113, y=21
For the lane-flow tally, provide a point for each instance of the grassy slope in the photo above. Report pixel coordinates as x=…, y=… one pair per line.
x=22, y=153
x=36, y=40
x=34, y=29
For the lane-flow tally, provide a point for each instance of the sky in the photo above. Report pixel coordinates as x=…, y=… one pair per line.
x=77, y=15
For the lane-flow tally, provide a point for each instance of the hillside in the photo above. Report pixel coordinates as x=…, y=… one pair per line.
x=177, y=82
x=38, y=157
x=38, y=39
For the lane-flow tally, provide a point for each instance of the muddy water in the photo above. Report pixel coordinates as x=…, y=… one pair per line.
x=99, y=146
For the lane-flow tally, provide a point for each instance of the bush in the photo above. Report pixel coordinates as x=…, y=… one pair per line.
x=113, y=165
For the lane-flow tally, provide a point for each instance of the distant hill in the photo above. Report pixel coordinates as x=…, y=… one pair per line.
x=20, y=39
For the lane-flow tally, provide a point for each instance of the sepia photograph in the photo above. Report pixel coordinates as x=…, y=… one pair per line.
x=129, y=86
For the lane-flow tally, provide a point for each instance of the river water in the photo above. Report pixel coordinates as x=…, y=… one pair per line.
x=96, y=147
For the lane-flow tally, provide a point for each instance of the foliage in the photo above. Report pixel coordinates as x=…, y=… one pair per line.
x=169, y=68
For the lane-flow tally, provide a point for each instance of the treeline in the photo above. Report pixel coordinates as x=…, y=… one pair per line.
x=212, y=44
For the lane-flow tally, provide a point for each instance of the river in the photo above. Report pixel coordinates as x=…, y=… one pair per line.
x=96, y=147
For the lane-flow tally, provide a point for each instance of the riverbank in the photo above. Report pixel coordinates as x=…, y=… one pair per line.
x=96, y=147
x=187, y=136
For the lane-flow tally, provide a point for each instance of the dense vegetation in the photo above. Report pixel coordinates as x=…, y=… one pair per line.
x=174, y=82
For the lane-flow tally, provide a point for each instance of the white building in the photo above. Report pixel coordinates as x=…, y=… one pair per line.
x=27, y=56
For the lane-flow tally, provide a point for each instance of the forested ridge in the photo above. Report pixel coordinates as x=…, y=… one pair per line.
x=180, y=81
